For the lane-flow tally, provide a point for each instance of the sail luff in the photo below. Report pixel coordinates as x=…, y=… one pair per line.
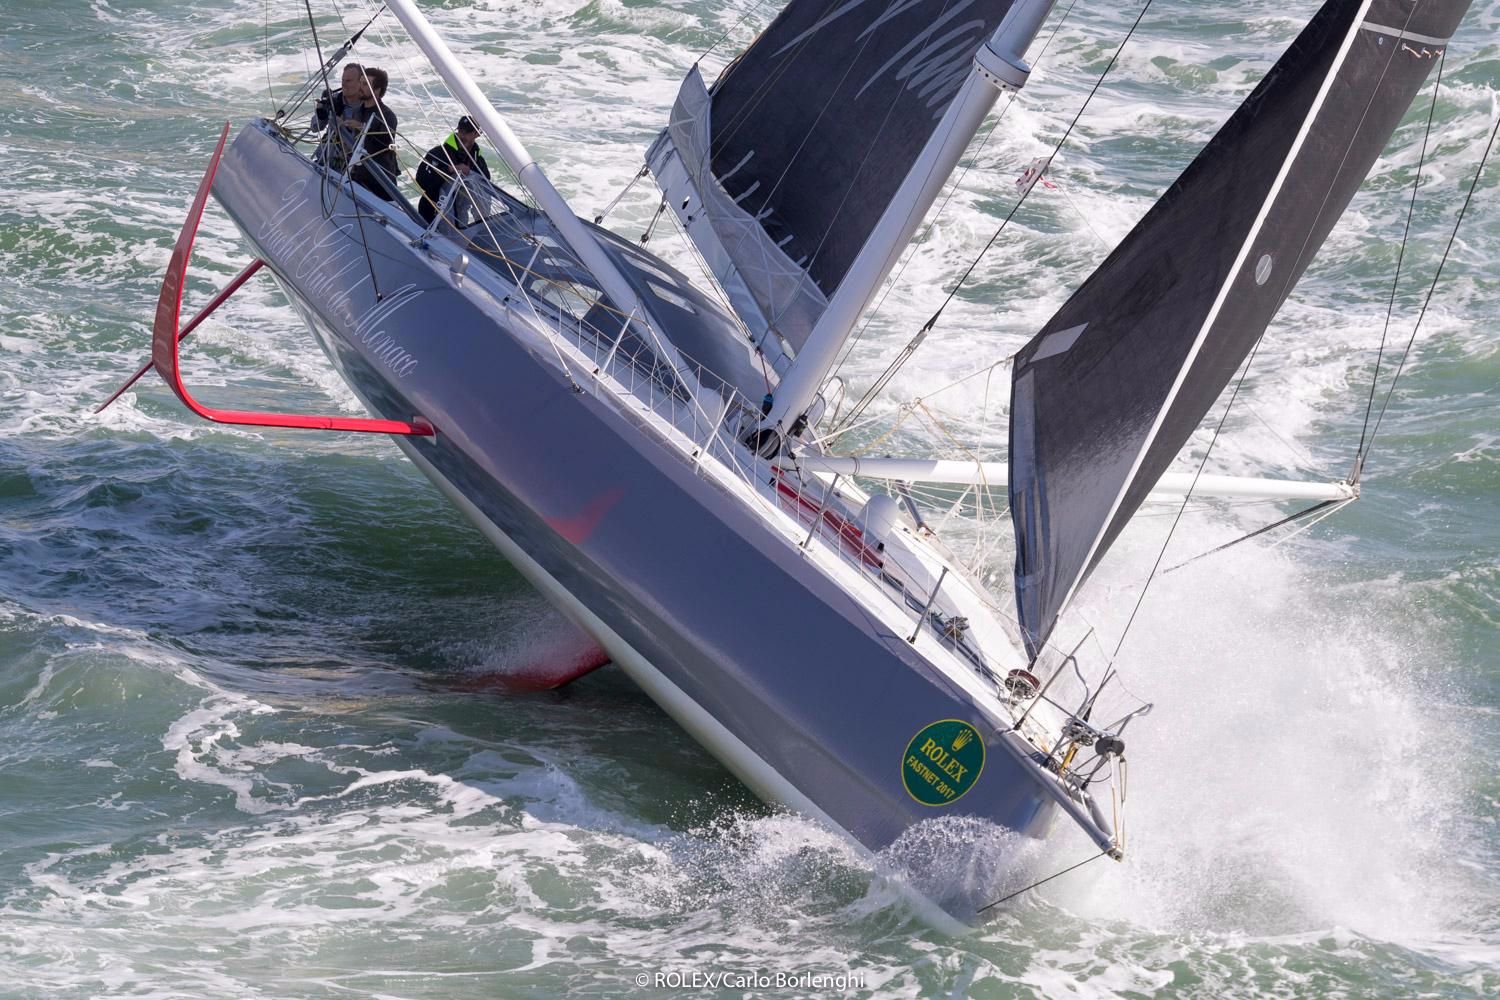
x=1109, y=391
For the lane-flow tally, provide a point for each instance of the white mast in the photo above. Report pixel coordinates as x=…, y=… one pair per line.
x=580, y=240
x=998, y=65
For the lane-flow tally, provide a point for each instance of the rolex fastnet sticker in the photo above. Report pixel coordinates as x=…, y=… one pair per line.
x=942, y=762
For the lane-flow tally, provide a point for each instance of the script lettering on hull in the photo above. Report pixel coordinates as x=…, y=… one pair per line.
x=323, y=257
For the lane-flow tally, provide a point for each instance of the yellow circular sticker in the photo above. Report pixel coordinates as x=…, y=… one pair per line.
x=942, y=762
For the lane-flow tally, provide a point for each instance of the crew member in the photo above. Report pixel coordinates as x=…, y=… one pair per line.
x=380, y=137
x=341, y=114
x=340, y=104
x=456, y=156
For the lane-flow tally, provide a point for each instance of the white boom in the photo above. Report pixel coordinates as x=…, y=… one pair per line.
x=1173, y=485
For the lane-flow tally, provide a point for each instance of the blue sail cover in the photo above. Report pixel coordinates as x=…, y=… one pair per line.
x=1107, y=394
x=782, y=169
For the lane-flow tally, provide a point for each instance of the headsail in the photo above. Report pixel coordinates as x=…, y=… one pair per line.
x=782, y=169
x=1109, y=391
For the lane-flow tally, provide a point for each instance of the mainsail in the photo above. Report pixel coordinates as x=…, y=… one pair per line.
x=1107, y=394
x=782, y=169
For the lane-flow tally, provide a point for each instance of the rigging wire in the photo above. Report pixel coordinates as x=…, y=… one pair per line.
x=308, y=87
x=1256, y=533
x=1302, y=453
x=963, y=279
x=1431, y=289
x=1311, y=523
x=312, y=24
x=651, y=226
x=710, y=282
x=1049, y=878
x=1238, y=386
x=916, y=341
x=1390, y=308
x=1172, y=530
x=359, y=216
x=265, y=47
x=1083, y=217
x=915, y=401
x=599, y=218
x=757, y=5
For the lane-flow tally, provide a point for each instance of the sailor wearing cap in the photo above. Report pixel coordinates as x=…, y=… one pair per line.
x=456, y=156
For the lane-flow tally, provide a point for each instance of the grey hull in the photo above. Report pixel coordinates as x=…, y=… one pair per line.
x=788, y=680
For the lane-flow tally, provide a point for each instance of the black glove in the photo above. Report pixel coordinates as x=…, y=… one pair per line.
x=325, y=105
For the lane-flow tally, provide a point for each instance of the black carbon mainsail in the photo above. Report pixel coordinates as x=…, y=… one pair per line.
x=1107, y=394
x=803, y=140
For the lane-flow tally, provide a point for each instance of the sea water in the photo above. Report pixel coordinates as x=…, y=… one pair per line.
x=252, y=736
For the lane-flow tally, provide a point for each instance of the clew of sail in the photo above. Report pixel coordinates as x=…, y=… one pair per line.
x=780, y=171
x=1109, y=391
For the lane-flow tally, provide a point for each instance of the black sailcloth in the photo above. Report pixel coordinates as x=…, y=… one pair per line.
x=803, y=140
x=1107, y=394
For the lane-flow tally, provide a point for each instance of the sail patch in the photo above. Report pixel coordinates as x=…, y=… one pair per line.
x=1057, y=343
x=1403, y=34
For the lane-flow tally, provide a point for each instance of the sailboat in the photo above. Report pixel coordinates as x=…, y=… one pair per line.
x=650, y=450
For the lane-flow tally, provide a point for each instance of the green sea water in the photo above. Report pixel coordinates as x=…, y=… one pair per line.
x=254, y=738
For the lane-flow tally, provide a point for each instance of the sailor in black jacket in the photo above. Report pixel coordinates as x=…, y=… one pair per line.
x=380, y=138
x=341, y=109
x=456, y=156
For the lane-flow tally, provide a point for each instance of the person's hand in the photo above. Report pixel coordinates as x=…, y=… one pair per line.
x=325, y=105
x=464, y=169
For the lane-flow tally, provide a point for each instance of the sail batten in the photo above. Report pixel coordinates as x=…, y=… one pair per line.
x=1110, y=390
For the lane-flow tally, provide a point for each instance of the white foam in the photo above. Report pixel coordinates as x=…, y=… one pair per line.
x=1293, y=790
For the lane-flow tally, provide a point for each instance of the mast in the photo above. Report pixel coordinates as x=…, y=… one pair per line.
x=998, y=65
x=572, y=229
